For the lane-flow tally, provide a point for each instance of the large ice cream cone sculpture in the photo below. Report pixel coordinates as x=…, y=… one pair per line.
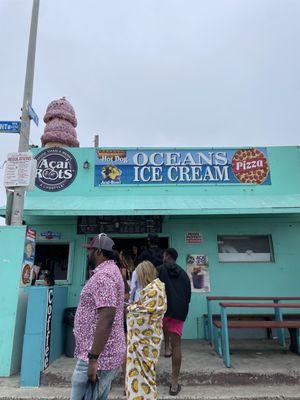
x=60, y=126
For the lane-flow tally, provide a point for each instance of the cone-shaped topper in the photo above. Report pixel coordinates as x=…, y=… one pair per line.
x=60, y=126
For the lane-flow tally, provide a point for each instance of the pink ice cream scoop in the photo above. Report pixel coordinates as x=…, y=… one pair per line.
x=60, y=131
x=61, y=109
x=60, y=126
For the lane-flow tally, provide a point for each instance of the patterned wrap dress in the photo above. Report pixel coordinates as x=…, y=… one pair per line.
x=144, y=322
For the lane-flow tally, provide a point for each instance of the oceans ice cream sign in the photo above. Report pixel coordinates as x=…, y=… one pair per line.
x=209, y=166
x=56, y=169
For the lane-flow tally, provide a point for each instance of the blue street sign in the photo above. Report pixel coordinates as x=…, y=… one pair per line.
x=10, y=126
x=32, y=114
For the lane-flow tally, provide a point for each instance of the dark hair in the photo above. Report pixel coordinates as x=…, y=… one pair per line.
x=117, y=258
x=108, y=254
x=172, y=253
x=153, y=239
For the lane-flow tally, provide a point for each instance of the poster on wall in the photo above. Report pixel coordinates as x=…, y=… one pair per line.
x=193, y=238
x=198, y=272
x=176, y=166
x=28, y=257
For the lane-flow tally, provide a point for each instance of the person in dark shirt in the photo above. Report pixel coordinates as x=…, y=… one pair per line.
x=153, y=252
x=178, y=291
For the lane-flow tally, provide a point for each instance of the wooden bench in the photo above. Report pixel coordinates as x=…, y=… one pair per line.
x=246, y=317
x=221, y=338
x=208, y=322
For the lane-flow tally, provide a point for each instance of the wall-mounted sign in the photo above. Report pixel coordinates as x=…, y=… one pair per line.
x=49, y=307
x=56, y=169
x=198, y=272
x=209, y=166
x=193, y=238
x=49, y=235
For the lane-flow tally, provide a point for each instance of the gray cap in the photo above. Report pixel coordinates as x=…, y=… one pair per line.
x=101, y=242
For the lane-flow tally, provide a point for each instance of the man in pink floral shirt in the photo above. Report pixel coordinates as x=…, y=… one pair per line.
x=98, y=327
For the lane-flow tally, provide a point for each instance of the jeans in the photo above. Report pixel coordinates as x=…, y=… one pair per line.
x=79, y=381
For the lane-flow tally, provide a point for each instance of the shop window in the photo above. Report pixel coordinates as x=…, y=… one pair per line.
x=52, y=259
x=242, y=248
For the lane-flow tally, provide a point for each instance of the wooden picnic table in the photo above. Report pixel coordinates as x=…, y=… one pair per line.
x=209, y=299
x=222, y=347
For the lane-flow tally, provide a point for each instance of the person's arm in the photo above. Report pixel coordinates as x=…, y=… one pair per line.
x=189, y=290
x=188, y=287
x=132, y=287
x=103, y=331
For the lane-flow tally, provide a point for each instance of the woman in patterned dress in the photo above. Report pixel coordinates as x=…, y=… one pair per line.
x=144, y=323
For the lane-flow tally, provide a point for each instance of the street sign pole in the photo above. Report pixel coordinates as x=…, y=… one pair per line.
x=18, y=199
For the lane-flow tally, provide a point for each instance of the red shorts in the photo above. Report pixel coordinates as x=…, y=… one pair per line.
x=173, y=325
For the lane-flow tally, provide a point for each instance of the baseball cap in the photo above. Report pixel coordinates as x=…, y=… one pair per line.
x=100, y=242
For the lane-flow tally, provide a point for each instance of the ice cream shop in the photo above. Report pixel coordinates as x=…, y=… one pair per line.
x=233, y=215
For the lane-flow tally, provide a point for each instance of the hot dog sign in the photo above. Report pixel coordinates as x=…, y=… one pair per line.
x=182, y=166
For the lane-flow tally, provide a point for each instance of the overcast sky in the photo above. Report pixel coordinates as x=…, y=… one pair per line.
x=158, y=72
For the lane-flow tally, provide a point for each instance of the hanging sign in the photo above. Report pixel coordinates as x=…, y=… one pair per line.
x=56, y=169
x=175, y=166
x=193, y=238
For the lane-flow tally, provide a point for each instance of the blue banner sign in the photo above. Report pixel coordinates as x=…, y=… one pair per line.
x=188, y=166
x=10, y=126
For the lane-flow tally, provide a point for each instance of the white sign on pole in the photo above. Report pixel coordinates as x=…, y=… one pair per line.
x=18, y=169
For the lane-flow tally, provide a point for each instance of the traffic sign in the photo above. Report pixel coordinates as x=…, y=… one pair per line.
x=10, y=126
x=32, y=114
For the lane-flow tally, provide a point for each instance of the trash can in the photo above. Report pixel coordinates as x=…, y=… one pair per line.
x=69, y=316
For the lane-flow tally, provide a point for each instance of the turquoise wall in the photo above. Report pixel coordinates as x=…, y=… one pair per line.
x=280, y=278
x=12, y=241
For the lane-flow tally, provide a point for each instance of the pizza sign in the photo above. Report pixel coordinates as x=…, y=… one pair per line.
x=250, y=166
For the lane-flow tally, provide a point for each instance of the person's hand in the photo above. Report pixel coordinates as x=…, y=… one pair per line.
x=92, y=370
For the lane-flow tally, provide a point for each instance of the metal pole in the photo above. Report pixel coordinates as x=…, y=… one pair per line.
x=18, y=200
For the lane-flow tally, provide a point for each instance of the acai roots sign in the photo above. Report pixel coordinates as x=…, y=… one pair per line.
x=56, y=169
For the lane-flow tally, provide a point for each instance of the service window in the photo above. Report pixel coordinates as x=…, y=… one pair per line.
x=245, y=248
x=54, y=259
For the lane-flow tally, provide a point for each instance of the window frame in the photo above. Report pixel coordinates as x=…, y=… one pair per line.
x=69, y=272
x=271, y=247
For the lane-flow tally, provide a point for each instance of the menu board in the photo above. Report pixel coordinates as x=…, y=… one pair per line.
x=119, y=224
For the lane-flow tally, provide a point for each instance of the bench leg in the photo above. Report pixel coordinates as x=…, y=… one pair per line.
x=206, y=328
x=298, y=341
x=218, y=341
x=280, y=331
x=210, y=323
x=225, y=338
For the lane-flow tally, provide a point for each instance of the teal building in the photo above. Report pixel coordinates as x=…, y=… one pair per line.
x=232, y=214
